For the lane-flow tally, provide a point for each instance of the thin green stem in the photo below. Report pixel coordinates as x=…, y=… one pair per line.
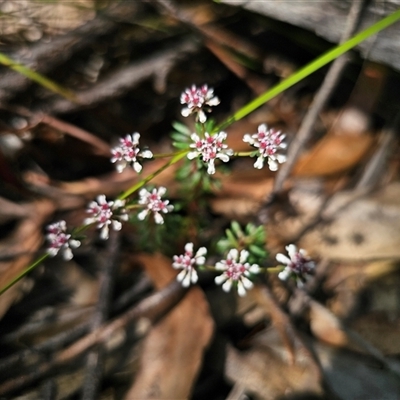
x=38, y=78
x=309, y=69
x=148, y=178
x=23, y=273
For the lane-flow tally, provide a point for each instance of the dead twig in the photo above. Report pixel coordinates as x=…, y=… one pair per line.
x=125, y=78
x=151, y=307
x=319, y=101
x=44, y=56
x=94, y=360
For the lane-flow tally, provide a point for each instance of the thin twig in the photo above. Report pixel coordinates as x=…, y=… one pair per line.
x=319, y=101
x=151, y=307
x=44, y=56
x=125, y=78
x=376, y=165
x=94, y=361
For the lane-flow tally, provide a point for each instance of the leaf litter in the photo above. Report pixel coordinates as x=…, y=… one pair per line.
x=336, y=338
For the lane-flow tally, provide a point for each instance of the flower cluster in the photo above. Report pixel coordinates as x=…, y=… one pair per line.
x=235, y=269
x=153, y=203
x=196, y=101
x=127, y=153
x=210, y=148
x=269, y=142
x=186, y=262
x=298, y=265
x=105, y=214
x=236, y=272
x=60, y=240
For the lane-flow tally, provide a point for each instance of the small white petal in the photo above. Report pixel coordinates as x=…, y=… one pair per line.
x=202, y=251
x=137, y=167
x=67, y=254
x=161, y=191
x=284, y=275
x=213, y=102
x=281, y=158
x=189, y=248
x=243, y=256
x=254, y=269
x=146, y=154
x=220, y=266
x=52, y=252
x=116, y=225
x=226, y=287
x=200, y=260
x=142, y=215
x=292, y=250
x=248, y=139
x=121, y=166
x=104, y=233
x=247, y=283
x=193, y=154
x=202, y=116
x=74, y=243
x=223, y=157
x=273, y=165
x=186, y=112
x=101, y=199
x=211, y=168
x=241, y=290
x=135, y=138
x=88, y=221
x=158, y=218
x=220, y=279
x=193, y=276
x=259, y=163
x=282, y=259
x=233, y=254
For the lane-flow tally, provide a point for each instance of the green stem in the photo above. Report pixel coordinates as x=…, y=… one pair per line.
x=309, y=69
x=38, y=78
x=148, y=178
x=23, y=273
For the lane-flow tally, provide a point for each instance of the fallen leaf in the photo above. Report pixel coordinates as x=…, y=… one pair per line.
x=25, y=240
x=172, y=351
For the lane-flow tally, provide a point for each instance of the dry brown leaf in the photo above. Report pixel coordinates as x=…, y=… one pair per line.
x=355, y=376
x=382, y=332
x=333, y=154
x=326, y=326
x=363, y=228
x=172, y=352
x=26, y=239
x=265, y=371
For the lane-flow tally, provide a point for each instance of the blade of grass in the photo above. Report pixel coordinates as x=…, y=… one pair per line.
x=23, y=273
x=38, y=78
x=309, y=69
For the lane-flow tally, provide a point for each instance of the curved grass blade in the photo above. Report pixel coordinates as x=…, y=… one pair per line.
x=309, y=69
x=38, y=78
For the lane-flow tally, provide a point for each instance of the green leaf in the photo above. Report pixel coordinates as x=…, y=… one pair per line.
x=180, y=145
x=181, y=128
x=236, y=229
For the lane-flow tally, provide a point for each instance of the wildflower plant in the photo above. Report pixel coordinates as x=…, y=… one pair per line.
x=242, y=252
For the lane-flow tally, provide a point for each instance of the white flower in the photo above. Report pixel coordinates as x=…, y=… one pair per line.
x=60, y=241
x=298, y=265
x=269, y=142
x=152, y=202
x=187, y=262
x=236, y=272
x=127, y=153
x=105, y=214
x=196, y=99
x=210, y=148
